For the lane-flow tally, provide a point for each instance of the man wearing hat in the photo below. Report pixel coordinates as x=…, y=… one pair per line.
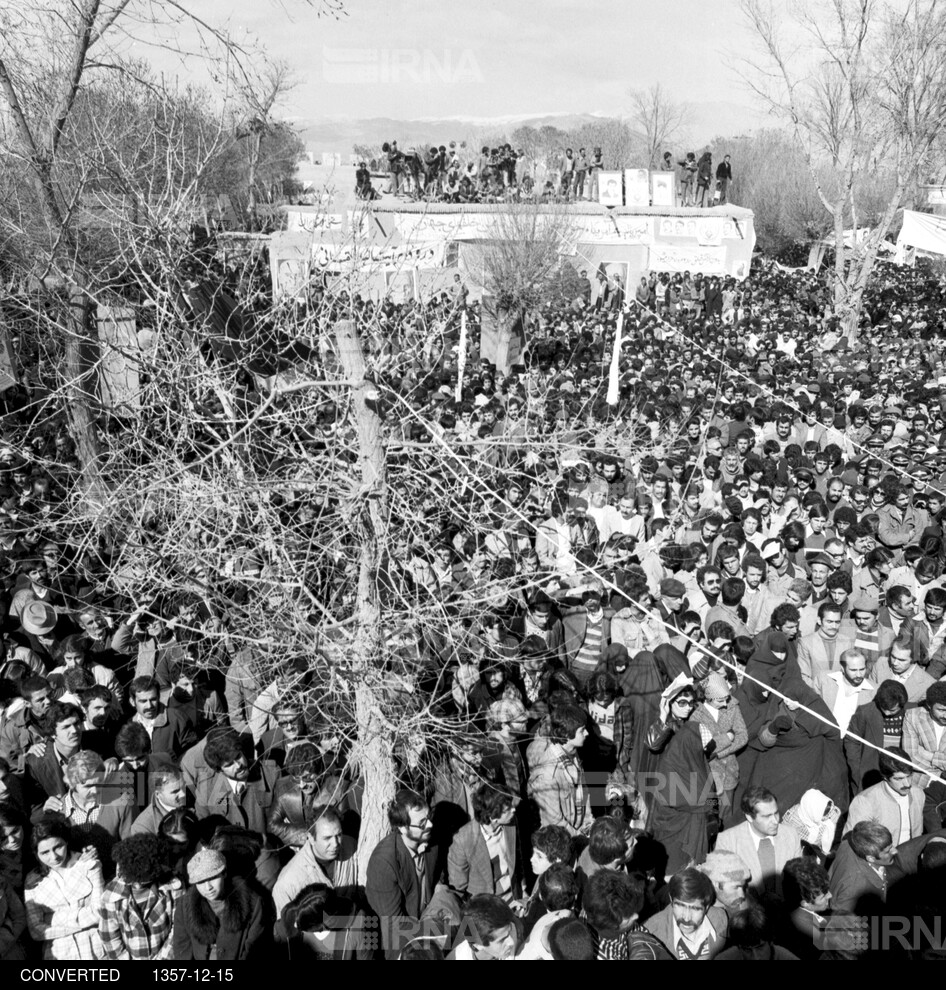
x=672, y=603
x=730, y=877
x=39, y=622
x=36, y=588
x=870, y=637
x=780, y=571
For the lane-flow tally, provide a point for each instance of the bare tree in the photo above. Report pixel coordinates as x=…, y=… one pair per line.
x=861, y=85
x=263, y=88
x=520, y=264
x=659, y=120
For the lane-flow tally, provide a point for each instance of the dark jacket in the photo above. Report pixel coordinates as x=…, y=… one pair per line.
x=172, y=733
x=862, y=761
x=239, y=932
x=293, y=813
x=43, y=778
x=392, y=886
x=215, y=798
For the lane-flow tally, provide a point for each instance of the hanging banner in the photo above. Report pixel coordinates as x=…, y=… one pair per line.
x=683, y=258
x=637, y=187
x=923, y=231
x=311, y=218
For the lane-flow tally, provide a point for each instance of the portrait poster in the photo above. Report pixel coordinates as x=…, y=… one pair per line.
x=662, y=189
x=636, y=187
x=609, y=189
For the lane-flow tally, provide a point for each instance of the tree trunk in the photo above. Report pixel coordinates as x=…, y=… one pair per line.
x=374, y=749
x=79, y=361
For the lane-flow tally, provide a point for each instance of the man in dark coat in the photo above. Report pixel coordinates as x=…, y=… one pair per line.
x=169, y=729
x=403, y=873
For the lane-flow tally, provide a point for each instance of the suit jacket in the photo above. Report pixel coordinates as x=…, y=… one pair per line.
x=738, y=840
x=468, y=863
x=877, y=803
x=216, y=798
x=856, y=887
x=916, y=684
x=43, y=778
x=661, y=925
x=393, y=889
x=813, y=659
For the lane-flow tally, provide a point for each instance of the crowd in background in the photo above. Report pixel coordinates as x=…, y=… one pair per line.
x=691, y=641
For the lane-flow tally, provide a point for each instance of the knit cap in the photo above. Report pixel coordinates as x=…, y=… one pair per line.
x=716, y=686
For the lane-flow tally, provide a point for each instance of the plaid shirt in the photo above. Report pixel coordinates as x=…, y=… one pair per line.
x=137, y=930
x=919, y=740
x=81, y=821
x=62, y=909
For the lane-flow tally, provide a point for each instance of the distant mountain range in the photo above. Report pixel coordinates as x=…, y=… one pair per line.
x=340, y=134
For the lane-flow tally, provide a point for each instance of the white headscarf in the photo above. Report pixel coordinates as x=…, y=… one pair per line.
x=812, y=822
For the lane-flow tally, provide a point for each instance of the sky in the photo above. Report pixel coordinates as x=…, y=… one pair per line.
x=412, y=59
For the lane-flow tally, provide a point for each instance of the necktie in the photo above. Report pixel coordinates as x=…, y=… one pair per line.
x=767, y=862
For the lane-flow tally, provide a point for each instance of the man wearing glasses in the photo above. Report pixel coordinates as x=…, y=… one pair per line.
x=403, y=873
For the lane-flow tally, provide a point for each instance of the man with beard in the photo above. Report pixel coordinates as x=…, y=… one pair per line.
x=196, y=700
x=169, y=730
x=404, y=871
x=239, y=793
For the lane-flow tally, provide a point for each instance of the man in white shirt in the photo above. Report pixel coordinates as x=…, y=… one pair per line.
x=606, y=517
x=845, y=690
x=628, y=523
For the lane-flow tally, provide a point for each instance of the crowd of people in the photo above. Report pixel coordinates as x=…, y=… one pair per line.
x=690, y=642
x=446, y=174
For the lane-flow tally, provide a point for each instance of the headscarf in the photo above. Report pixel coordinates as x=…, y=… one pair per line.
x=808, y=818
